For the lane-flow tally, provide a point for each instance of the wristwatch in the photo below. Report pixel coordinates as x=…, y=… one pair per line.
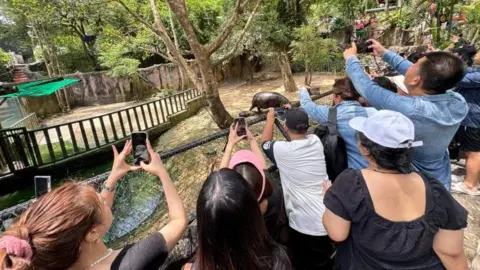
x=107, y=188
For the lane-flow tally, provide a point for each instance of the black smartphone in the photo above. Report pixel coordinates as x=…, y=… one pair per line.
x=241, y=125
x=43, y=185
x=139, y=145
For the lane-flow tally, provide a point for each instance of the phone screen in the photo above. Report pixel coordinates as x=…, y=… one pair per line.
x=139, y=144
x=42, y=185
x=240, y=121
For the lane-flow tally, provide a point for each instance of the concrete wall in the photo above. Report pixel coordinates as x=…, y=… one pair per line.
x=100, y=88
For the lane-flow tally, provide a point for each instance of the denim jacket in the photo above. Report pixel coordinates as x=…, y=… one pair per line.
x=436, y=117
x=469, y=88
x=346, y=110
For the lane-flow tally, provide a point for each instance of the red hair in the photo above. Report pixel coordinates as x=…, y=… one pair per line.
x=55, y=226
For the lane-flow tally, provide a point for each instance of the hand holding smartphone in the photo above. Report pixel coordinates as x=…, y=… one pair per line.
x=140, y=151
x=240, y=124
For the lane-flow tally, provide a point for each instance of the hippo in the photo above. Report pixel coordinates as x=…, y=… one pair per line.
x=265, y=100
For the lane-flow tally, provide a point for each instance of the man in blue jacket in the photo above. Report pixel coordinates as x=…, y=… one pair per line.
x=345, y=98
x=469, y=131
x=436, y=112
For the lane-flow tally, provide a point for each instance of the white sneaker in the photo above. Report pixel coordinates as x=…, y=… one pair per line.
x=460, y=188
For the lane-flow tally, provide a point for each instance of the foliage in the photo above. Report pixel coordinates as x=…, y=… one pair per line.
x=4, y=58
x=116, y=60
x=313, y=50
x=403, y=18
x=472, y=10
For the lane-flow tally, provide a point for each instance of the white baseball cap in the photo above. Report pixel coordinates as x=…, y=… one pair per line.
x=387, y=128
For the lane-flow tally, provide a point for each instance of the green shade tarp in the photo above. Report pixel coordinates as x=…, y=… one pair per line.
x=40, y=88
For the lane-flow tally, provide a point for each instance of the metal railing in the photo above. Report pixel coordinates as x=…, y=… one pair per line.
x=59, y=142
x=139, y=206
x=29, y=122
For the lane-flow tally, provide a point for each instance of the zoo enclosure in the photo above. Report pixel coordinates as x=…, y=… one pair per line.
x=139, y=207
x=21, y=148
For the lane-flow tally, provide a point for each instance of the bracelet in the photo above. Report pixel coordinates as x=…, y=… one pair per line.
x=107, y=188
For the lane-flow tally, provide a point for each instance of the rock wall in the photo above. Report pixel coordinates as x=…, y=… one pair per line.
x=100, y=88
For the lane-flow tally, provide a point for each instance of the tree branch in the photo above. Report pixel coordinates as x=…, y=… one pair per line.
x=162, y=33
x=180, y=10
x=245, y=29
x=228, y=28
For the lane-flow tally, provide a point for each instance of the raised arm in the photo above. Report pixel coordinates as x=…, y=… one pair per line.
x=267, y=134
x=173, y=231
x=397, y=62
x=255, y=148
x=119, y=169
x=376, y=96
x=448, y=245
x=233, y=139
x=318, y=113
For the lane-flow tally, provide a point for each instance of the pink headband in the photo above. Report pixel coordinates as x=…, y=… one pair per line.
x=16, y=247
x=247, y=156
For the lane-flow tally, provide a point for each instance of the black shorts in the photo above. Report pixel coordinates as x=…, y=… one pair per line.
x=310, y=252
x=469, y=139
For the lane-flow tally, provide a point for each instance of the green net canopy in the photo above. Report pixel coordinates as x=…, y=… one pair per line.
x=40, y=88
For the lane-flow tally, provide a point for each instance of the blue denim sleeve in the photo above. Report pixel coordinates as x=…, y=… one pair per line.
x=397, y=62
x=318, y=113
x=471, y=79
x=377, y=97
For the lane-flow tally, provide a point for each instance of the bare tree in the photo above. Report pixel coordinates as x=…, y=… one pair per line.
x=203, y=53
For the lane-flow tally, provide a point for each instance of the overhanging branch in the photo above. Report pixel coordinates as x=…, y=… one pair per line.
x=240, y=38
x=228, y=28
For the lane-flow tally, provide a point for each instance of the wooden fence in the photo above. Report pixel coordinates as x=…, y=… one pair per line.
x=51, y=144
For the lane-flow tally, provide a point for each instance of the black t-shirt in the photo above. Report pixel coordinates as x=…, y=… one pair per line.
x=377, y=243
x=150, y=253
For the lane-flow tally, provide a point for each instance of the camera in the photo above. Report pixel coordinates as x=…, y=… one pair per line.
x=280, y=113
x=363, y=47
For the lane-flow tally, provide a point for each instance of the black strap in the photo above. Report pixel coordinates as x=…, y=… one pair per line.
x=332, y=119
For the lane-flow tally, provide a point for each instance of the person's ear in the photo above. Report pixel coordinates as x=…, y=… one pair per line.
x=93, y=235
x=263, y=206
x=416, y=81
x=363, y=150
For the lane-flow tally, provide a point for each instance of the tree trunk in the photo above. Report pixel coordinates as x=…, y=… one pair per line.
x=175, y=39
x=308, y=75
x=285, y=68
x=202, y=57
x=210, y=87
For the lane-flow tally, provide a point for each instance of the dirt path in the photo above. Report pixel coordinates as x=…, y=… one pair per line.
x=236, y=98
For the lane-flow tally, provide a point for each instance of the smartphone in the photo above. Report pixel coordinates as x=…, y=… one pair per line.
x=139, y=145
x=240, y=123
x=43, y=185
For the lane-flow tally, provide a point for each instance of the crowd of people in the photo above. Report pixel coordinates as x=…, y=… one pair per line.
x=390, y=209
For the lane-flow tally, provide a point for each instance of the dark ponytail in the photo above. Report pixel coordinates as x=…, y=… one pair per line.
x=388, y=158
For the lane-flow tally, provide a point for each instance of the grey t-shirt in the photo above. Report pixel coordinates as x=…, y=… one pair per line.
x=302, y=171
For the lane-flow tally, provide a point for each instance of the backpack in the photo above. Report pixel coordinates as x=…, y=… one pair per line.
x=334, y=146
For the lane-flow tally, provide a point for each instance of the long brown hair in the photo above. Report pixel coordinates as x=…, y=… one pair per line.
x=55, y=226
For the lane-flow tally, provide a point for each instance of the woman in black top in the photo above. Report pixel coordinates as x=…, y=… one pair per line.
x=65, y=227
x=388, y=216
x=251, y=165
x=231, y=232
